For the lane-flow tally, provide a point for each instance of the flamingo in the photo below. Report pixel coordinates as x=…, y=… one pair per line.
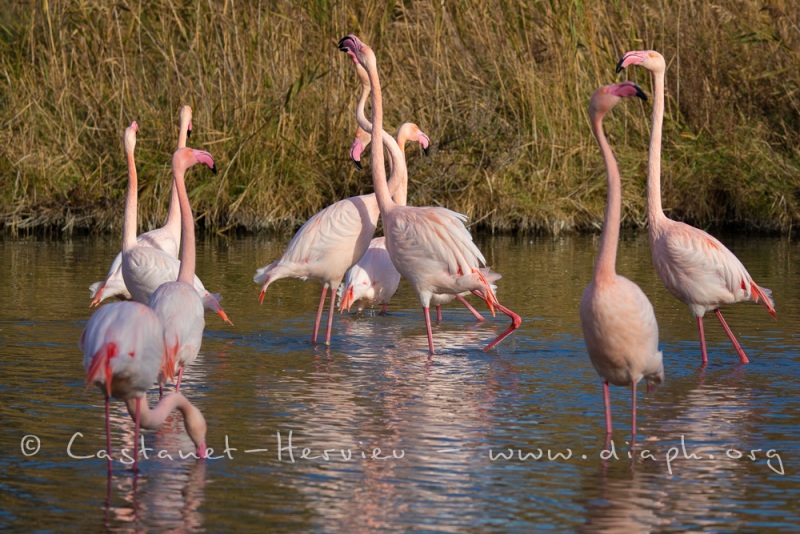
x=694, y=266
x=331, y=242
x=123, y=345
x=374, y=278
x=177, y=303
x=166, y=238
x=429, y=246
x=377, y=272
x=619, y=324
x=144, y=268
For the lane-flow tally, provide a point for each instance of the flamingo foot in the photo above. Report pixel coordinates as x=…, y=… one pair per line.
x=742, y=355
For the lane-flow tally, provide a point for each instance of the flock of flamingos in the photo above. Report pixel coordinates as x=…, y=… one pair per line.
x=130, y=345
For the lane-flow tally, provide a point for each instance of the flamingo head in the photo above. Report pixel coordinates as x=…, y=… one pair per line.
x=186, y=118
x=130, y=136
x=360, y=143
x=409, y=131
x=360, y=52
x=183, y=158
x=649, y=59
x=655, y=379
x=606, y=97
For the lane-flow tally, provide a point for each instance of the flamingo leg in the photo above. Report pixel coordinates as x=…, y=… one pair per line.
x=319, y=314
x=426, y=311
x=607, y=402
x=477, y=315
x=330, y=319
x=703, y=351
x=136, y=436
x=438, y=314
x=516, y=320
x=178, y=383
x=108, y=434
x=383, y=310
x=633, y=413
x=742, y=355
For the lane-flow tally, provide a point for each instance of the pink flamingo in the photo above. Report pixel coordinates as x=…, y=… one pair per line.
x=371, y=274
x=429, y=246
x=144, y=268
x=123, y=345
x=177, y=303
x=166, y=238
x=330, y=243
x=619, y=325
x=374, y=279
x=694, y=266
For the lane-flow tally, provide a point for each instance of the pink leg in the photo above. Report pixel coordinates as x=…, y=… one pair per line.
x=742, y=355
x=383, y=310
x=136, y=437
x=702, y=341
x=108, y=434
x=477, y=315
x=438, y=314
x=516, y=320
x=330, y=319
x=607, y=401
x=426, y=311
x=319, y=314
x=633, y=414
x=178, y=383
x=160, y=392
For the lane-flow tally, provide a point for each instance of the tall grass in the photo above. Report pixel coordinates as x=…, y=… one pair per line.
x=501, y=86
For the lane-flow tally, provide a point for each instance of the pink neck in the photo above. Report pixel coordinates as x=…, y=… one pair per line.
x=382, y=193
x=131, y=205
x=186, y=272
x=397, y=160
x=174, y=210
x=604, y=267
x=654, y=211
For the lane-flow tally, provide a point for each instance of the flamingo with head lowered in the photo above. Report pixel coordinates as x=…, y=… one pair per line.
x=429, y=246
x=619, y=325
x=123, y=351
x=694, y=266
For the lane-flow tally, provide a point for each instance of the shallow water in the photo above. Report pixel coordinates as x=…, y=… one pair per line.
x=444, y=425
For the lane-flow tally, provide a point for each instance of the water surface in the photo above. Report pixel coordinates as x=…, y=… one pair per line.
x=395, y=439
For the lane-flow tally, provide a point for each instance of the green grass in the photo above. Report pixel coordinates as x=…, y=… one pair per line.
x=500, y=86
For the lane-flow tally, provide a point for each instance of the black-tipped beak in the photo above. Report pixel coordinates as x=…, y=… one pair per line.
x=619, y=64
x=426, y=151
x=358, y=165
x=641, y=94
x=214, y=169
x=341, y=45
x=188, y=133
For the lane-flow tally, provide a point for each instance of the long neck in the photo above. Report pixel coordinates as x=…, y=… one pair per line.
x=153, y=418
x=401, y=195
x=609, y=239
x=174, y=210
x=654, y=210
x=186, y=271
x=397, y=160
x=382, y=193
x=131, y=205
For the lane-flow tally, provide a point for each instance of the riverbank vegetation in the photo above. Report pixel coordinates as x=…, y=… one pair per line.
x=500, y=86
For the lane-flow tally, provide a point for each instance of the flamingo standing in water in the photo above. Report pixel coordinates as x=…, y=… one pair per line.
x=166, y=238
x=144, y=268
x=694, y=266
x=429, y=246
x=375, y=278
x=330, y=243
x=619, y=325
x=177, y=303
x=123, y=348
